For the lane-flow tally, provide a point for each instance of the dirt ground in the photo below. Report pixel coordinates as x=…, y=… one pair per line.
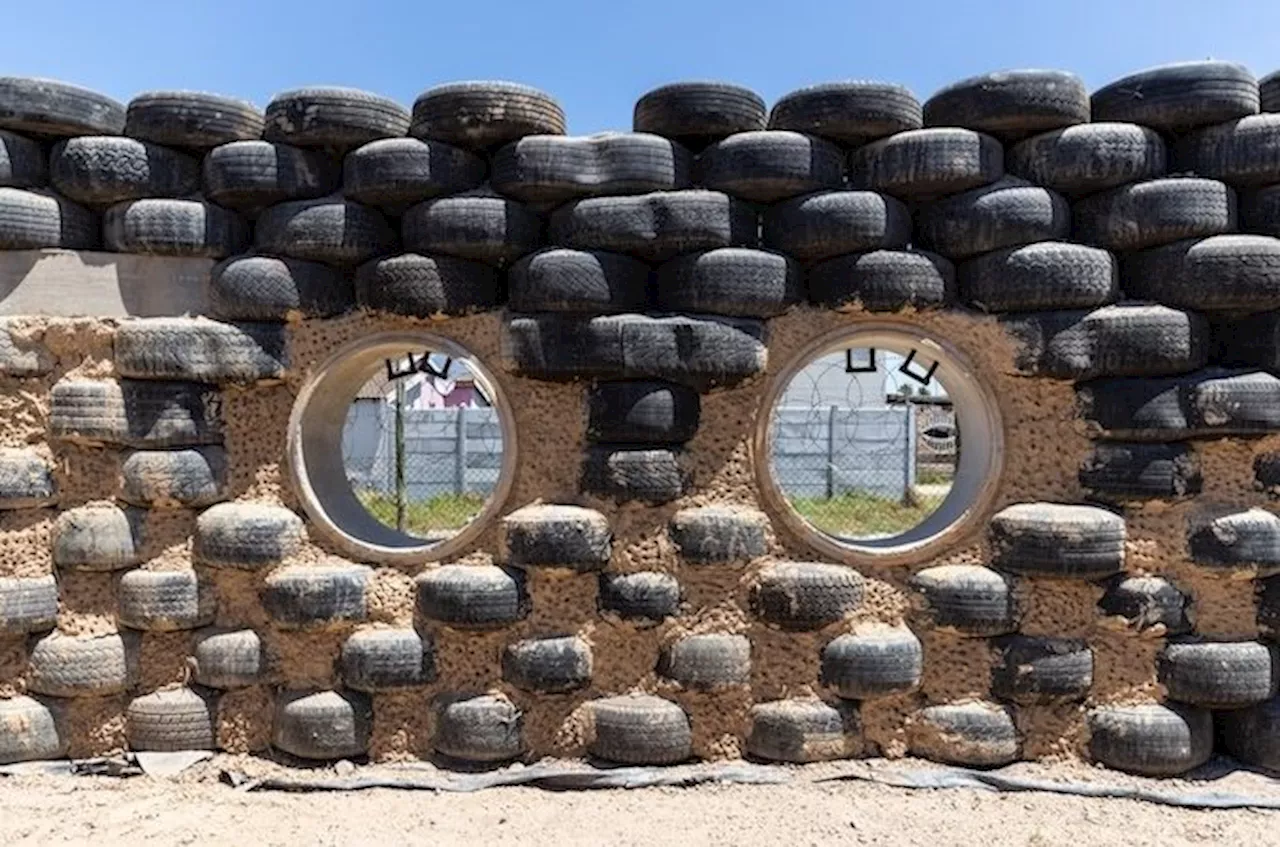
x=199, y=810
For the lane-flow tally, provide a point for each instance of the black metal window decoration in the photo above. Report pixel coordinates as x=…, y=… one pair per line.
x=851, y=368
x=421, y=365
x=922, y=378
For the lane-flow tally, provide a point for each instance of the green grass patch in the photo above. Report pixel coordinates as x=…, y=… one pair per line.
x=442, y=512
x=934, y=476
x=857, y=514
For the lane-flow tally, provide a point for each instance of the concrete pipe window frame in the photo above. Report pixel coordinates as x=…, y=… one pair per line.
x=979, y=464
x=317, y=464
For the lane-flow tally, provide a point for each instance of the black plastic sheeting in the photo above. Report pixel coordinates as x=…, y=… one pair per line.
x=585, y=777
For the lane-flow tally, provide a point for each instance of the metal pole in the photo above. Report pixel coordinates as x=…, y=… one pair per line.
x=909, y=466
x=831, y=452
x=400, y=483
x=460, y=456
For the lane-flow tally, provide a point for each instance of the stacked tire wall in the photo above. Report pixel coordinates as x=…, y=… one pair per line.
x=1109, y=265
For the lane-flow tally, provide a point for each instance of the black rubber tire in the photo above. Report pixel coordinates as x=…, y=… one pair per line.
x=1218, y=675
x=556, y=536
x=22, y=161
x=832, y=223
x=338, y=118
x=700, y=352
x=1011, y=105
x=640, y=729
x=46, y=107
x=314, y=597
x=1269, y=92
x=707, y=661
x=135, y=413
x=641, y=413
x=170, y=720
x=770, y=165
x=1145, y=602
x=1055, y=540
x=100, y=537
x=375, y=660
x=719, y=535
x=21, y=355
x=191, y=119
x=1243, y=540
x=322, y=725
x=644, y=597
x=26, y=479
x=1269, y=606
x=848, y=113
x=802, y=731
x=1088, y=158
x=1160, y=211
x=427, y=286
x=634, y=474
x=483, y=116
x=873, y=663
x=655, y=227
x=28, y=604
x=976, y=734
x=1035, y=670
x=329, y=229
x=84, y=666
x=882, y=281
x=927, y=163
x=395, y=173
x=250, y=175
x=482, y=730
x=547, y=665
x=31, y=730
x=100, y=170
x=1252, y=735
x=1151, y=739
x=1046, y=275
x=1178, y=97
x=968, y=599
x=34, y=220
x=247, y=535
x=264, y=288
x=479, y=225
x=1006, y=213
x=165, y=601
x=1232, y=273
x=1266, y=472
x=698, y=113
x=163, y=227
x=1260, y=211
x=1136, y=471
x=228, y=659
x=557, y=279
x=1211, y=402
x=805, y=595
x=1123, y=340
x=551, y=169
x=200, y=350
x=734, y=281
x=1244, y=152
x=471, y=597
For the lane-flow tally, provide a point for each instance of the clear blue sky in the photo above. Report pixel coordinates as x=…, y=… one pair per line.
x=597, y=56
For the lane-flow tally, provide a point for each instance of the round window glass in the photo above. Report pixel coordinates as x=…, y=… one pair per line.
x=401, y=446
x=881, y=442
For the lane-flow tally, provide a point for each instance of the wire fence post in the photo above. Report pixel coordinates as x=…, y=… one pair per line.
x=460, y=454
x=909, y=456
x=831, y=452
x=400, y=481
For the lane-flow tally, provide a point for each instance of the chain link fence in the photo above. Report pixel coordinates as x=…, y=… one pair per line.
x=864, y=443
x=422, y=446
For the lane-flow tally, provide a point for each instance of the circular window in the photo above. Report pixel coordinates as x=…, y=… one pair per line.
x=401, y=447
x=881, y=444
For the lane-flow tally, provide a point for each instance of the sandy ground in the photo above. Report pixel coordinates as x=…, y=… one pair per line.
x=198, y=810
